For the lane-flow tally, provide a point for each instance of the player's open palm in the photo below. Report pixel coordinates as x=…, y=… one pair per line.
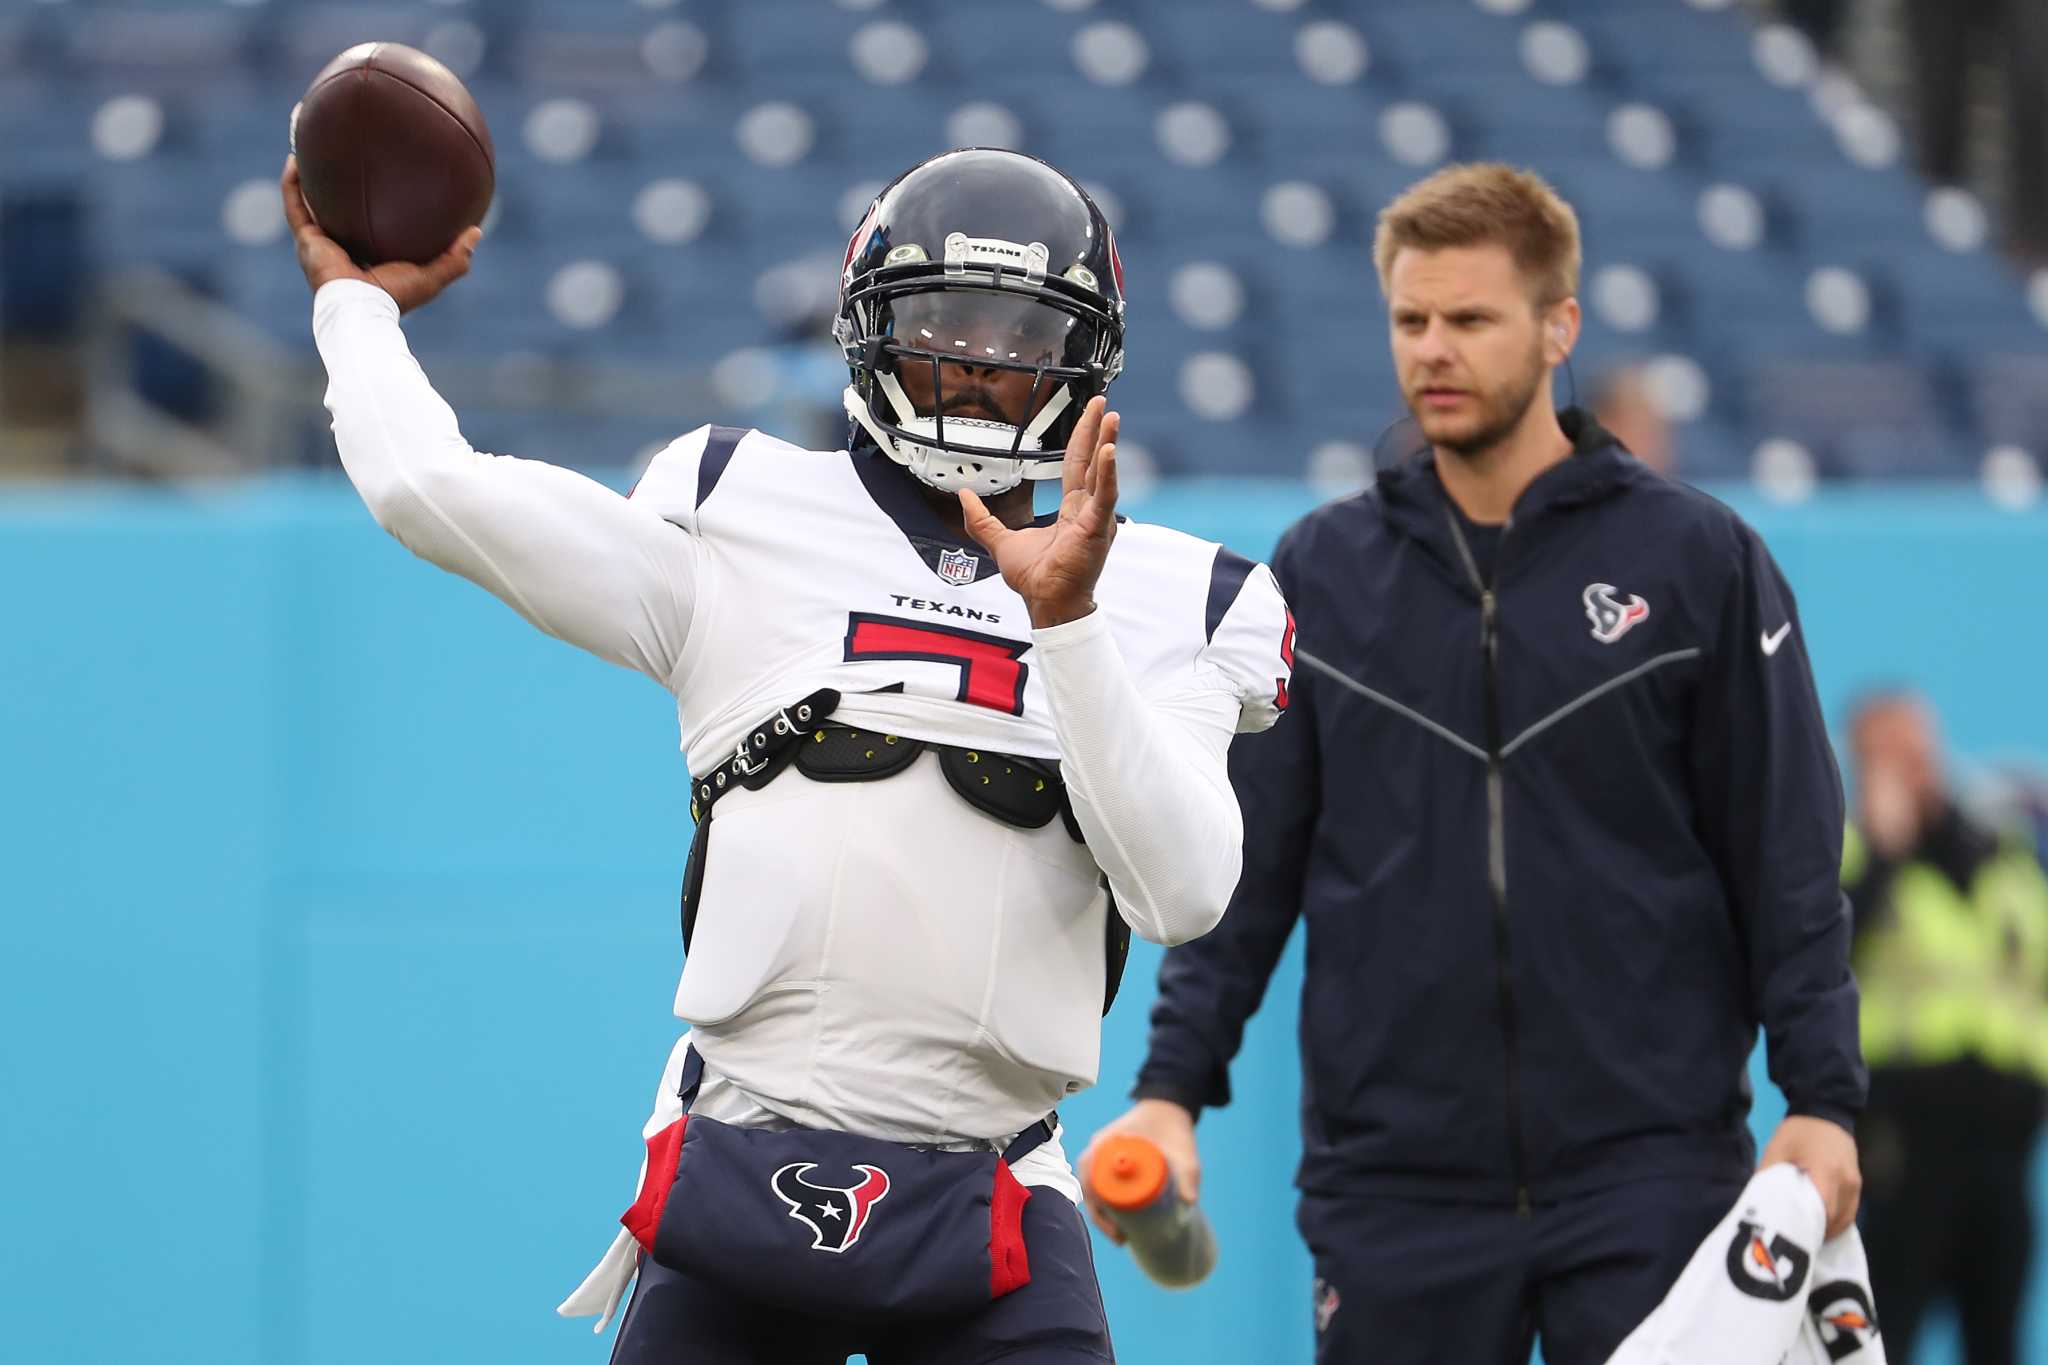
x=323, y=259
x=1054, y=568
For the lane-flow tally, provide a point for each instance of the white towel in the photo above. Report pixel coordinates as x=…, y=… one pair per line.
x=607, y=1283
x=1765, y=1289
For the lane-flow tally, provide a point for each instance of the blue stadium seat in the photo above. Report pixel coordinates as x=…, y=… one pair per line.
x=48, y=131
x=308, y=36
x=1526, y=124
x=1950, y=302
x=1823, y=405
x=1649, y=36
x=29, y=42
x=1239, y=39
x=1711, y=450
x=1314, y=121
x=1744, y=136
x=680, y=131
x=1834, y=208
x=984, y=53
x=1417, y=41
x=1921, y=453
x=2008, y=397
x=1616, y=202
x=596, y=49
x=1255, y=444
x=144, y=46
x=768, y=44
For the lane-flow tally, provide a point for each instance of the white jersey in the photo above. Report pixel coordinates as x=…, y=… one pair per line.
x=919, y=969
x=878, y=957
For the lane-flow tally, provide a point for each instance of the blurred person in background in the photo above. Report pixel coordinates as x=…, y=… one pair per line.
x=1557, y=807
x=1624, y=404
x=1953, y=42
x=2029, y=802
x=1951, y=950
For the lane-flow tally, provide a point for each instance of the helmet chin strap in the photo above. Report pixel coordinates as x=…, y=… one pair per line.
x=952, y=470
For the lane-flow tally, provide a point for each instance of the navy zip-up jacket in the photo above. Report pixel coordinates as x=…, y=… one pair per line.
x=1562, y=841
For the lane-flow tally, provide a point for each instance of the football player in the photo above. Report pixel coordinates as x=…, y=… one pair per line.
x=1007, y=730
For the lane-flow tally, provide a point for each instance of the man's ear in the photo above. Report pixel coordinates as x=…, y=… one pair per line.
x=1560, y=332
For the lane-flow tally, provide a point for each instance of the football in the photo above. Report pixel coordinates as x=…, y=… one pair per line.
x=394, y=157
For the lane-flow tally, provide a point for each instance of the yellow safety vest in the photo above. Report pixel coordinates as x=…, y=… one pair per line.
x=1949, y=972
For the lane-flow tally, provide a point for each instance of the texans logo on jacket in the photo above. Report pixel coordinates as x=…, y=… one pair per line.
x=835, y=1214
x=1612, y=618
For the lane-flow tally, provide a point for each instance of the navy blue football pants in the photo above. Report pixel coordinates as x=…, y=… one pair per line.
x=1056, y=1319
x=1401, y=1282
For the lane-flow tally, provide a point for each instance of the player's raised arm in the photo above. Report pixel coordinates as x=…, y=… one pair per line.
x=565, y=552
x=1147, y=773
x=1148, y=770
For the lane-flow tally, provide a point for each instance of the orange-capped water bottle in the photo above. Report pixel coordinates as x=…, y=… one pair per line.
x=1170, y=1237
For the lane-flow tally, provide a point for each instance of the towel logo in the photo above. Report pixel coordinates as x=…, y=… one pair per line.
x=1846, y=1318
x=1612, y=618
x=1766, y=1265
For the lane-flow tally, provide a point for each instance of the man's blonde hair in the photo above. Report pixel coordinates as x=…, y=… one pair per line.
x=1482, y=204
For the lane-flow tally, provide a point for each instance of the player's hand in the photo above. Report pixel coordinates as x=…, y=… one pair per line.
x=1827, y=1153
x=323, y=259
x=1172, y=1129
x=1054, y=568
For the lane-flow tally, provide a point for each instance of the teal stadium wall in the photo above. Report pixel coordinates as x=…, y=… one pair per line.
x=339, y=926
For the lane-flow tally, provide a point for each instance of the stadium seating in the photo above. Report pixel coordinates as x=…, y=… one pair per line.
x=675, y=182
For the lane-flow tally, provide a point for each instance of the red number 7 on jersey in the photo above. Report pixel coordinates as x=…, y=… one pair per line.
x=991, y=669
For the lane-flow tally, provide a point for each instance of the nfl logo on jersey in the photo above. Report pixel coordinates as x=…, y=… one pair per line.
x=958, y=567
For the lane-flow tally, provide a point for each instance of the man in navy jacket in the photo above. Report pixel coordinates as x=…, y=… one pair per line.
x=1556, y=801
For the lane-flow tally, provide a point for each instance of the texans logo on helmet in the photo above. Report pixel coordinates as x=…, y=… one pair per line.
x=1766, y=1265
x=1846, y=1317
x=835, y=1214
x=1611, y=617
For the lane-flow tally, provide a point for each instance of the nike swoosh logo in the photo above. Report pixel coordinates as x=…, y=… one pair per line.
x=1776, y=638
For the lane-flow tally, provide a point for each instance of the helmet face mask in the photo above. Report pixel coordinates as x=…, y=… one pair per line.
x=941, y=327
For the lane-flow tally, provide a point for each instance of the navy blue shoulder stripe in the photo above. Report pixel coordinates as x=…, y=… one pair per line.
x=1226, y=581
x=718, y=449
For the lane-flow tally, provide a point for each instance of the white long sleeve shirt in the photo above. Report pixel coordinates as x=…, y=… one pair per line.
x=877, y=957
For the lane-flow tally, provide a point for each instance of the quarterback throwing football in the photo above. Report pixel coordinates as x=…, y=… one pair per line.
x=945, y=757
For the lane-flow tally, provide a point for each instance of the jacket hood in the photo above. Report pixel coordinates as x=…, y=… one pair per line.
x=1413, y=500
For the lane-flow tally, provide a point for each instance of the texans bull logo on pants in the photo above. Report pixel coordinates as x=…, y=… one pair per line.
x=835, y=1214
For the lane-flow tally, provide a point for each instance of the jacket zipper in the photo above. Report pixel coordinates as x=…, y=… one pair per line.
x=1497, y=850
